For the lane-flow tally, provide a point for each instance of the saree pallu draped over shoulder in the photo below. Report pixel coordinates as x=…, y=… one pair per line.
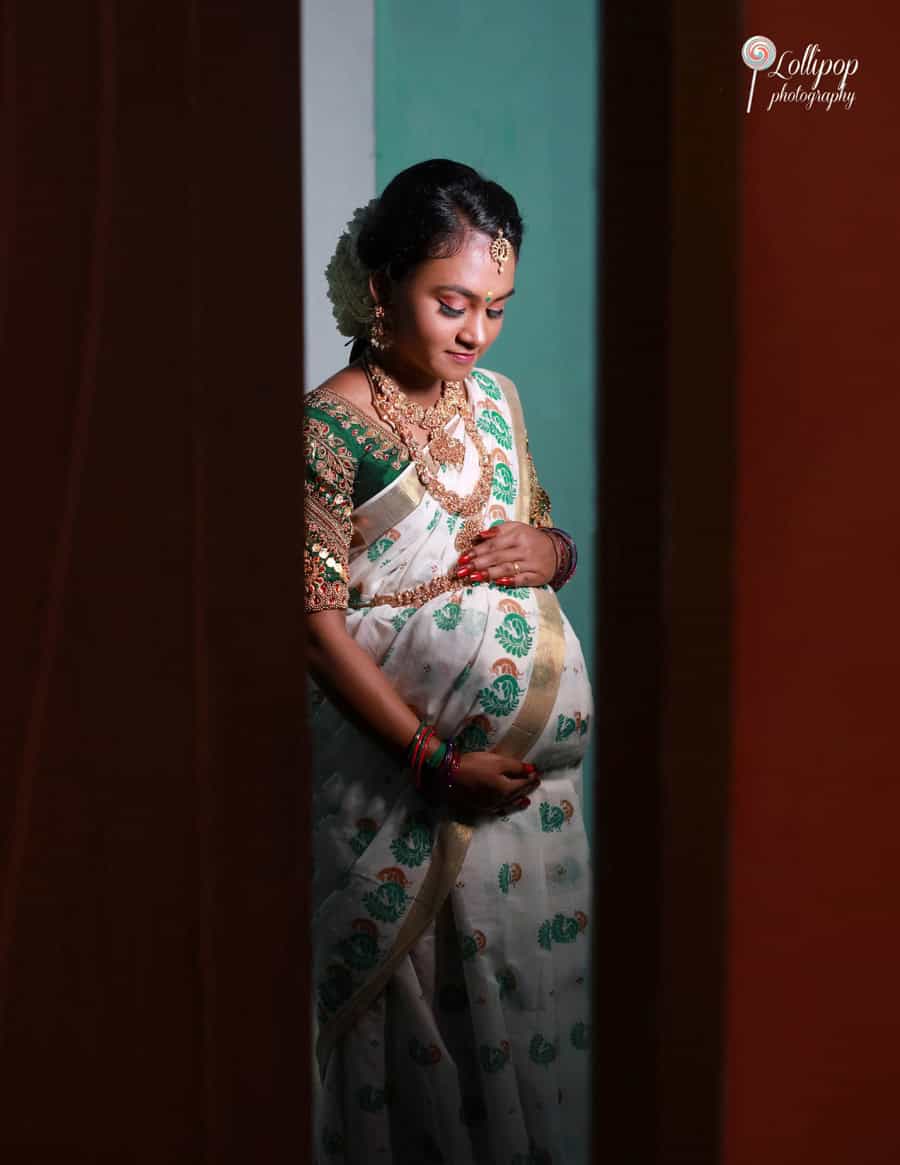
x=450, y=956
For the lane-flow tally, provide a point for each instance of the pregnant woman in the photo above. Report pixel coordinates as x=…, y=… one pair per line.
x=450, y=712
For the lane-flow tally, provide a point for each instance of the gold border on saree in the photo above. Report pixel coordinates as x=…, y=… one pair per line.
x=517, y=418
x=416, y=596
x=450, y=849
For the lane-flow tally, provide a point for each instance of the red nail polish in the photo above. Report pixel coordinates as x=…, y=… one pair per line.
x=503, y=582
x=523, y=802
x=477, y=576
x=465, y=558
x=463, y=571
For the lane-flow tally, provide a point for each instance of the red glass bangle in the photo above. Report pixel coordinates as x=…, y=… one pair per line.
x=420, y=755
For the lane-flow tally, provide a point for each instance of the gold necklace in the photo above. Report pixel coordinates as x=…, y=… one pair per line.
x=436, y=415
x=390, y=409
x=445, y=449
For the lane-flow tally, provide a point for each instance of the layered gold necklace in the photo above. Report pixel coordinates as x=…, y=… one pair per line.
x=398, y=411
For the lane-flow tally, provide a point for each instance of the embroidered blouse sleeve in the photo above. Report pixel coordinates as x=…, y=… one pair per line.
x=328, y=504
x=540, y=500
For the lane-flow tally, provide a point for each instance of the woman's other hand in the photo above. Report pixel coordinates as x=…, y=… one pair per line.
x=503, y=548
x=489, y=783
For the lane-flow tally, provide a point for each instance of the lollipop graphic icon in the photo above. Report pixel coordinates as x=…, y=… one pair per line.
x=758, y=53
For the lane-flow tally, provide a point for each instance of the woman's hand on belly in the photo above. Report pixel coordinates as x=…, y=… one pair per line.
x=485, y=782
x=489, y=783
x=505, y=547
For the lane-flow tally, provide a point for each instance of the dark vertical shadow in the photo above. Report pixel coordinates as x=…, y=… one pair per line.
x=668, y=130
x=247, y=329
x=697, y=763
x=154, y=827
x=246, y=404
x=630, y=647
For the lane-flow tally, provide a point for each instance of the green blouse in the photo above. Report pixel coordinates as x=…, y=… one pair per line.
x=350, y=457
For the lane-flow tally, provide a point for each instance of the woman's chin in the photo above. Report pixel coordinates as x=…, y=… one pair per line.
x=457, y=369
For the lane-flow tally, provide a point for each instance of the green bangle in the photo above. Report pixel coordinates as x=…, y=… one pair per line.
x=411, y=747
x=436, y=759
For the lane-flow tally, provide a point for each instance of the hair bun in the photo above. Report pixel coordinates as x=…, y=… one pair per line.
x=348, y=277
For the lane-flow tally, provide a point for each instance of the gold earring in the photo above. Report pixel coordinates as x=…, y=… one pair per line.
x=500, y=251
x=377, y=334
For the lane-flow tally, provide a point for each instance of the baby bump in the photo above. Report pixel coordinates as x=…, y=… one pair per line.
x=485, y=662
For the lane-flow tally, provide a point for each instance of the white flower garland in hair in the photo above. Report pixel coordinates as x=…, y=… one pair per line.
x=348, y=278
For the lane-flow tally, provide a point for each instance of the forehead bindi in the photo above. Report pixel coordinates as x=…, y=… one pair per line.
x=492, y=295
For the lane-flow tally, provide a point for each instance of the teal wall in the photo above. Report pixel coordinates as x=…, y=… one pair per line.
x=510, y=88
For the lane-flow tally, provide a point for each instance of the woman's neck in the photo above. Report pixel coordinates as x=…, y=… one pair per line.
x=414, y=383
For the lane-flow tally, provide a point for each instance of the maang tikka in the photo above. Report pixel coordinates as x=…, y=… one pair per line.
x=500, y=251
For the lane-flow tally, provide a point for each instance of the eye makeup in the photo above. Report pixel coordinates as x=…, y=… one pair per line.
x=493, y=313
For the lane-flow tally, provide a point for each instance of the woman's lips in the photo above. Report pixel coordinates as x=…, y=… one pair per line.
x=462, y=357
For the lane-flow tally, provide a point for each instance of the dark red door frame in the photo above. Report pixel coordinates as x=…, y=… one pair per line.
x=667, y=334
x=154, y=832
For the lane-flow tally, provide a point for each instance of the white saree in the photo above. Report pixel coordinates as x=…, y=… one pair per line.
x=451, y=955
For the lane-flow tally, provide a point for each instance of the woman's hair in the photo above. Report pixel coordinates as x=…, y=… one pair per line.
x=425, y=212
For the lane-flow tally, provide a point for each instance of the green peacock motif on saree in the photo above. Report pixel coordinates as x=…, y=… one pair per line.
x=552, y=817
x=447, y=617
x=473, y=737
x=379, y=547
x=471, y=944
x=561, y=929
x=502, y=697
x=400, y=620
x=510, y=592
x=494, y=1058
x=371, y=1099
x=515, y=634
x=565, y=929
x=336, y=988
x=387, y=902
x=580, y=1036
x=496, y=426
x=541, y=1051
x=365, y=833
x=487, y=385
x=414, y=845
x=508, y=875
x=566, y=726
x=503, y=487
x=359, y=951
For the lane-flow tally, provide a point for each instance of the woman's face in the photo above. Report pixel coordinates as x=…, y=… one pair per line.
x=446, y=306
